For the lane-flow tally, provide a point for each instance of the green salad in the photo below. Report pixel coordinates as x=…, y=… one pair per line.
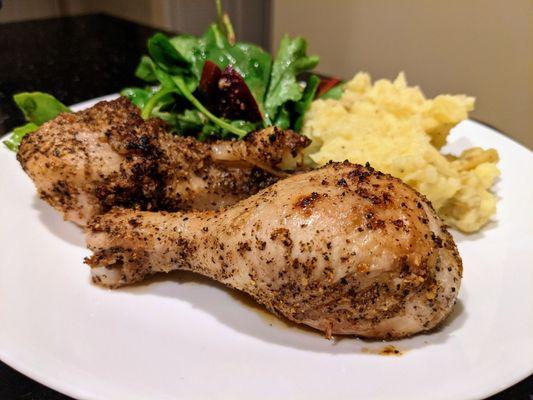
x=209, y=86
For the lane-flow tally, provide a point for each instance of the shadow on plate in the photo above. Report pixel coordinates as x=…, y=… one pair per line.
x=241, y=313
x=53, y=221
x=461, y=237
x=457, y=146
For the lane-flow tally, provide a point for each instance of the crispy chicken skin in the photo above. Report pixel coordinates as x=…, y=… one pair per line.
x=344, y=249
x=87, y=162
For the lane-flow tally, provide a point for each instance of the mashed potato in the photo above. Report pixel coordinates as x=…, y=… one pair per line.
x=399, y=131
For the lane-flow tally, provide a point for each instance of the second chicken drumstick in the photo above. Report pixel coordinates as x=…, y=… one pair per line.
x=85, y=163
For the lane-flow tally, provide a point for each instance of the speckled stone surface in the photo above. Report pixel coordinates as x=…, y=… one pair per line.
x=76, y=59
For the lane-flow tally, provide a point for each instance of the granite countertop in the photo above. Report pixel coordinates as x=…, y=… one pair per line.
x=76, y=59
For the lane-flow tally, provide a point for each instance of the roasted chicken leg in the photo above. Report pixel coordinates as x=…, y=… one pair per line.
x=84, y=163
x=343, y=249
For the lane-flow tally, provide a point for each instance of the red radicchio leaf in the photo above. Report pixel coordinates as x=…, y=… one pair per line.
x=208, y=86
x=325, y=85
x=226, y=94
x=236, y=100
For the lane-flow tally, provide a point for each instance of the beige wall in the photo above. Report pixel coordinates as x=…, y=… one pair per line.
x=249, y=17
x=16, y=10
x=479, y=47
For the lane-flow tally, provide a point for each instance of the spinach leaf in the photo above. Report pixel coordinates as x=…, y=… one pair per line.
x=164, y=79
x=208, y=130
x=214, y=38
x=193, y=50
x=283, y=118
x=255, y=65
x=303, y=105
x=163, y=109
x=246, y=126
x=39, y=107
x=190, y=121
x=290, y=61
x=14, y=140
x=158, y=97
x=166, y=56
x=138, y=96
x=249, y=80
x=211, y=130
x=145, y=70
x=169, y=62
x=334, y=93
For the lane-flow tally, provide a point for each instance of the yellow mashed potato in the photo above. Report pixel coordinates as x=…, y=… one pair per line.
x=399, y=131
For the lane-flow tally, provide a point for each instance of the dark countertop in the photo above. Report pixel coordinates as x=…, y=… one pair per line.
x=76, y=59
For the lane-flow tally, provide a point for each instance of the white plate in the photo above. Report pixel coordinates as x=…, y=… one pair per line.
x=185, y=337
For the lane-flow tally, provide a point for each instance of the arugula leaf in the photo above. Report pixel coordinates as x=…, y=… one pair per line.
x=303, y=105
x=13, y=142
x=290, y=61
x=39, y=107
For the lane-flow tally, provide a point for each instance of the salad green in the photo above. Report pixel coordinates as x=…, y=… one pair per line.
x=209, y=86
x=269, y=89
x=37, y=108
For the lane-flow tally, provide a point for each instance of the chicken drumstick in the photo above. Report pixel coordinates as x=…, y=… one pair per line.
x=343, y=249
x=85, y=163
